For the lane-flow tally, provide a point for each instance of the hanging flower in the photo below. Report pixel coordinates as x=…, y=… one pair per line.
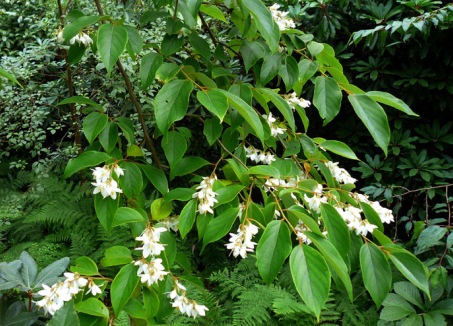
x=186, y=306
x=339, y=174
x=272, y=122
x=206, y=196
x=314, y=203
x=293, y=100
x=259, y=156
x=82, y=39
x=150, y=272
x=241, y=242
x=280, y=18
x=105, y=184
x=151, y=241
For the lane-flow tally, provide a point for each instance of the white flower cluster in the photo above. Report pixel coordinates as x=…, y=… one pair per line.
x=273, y=183
x=258, y=156
x=105, y=184
x=206, y=196
x=340, y=174
x=385, y=214
x=151, y=271
x=170, y=223
x=272, y=122
x=186, y=306
x=280, y=18
x=241, y=242
x=55, y=296
x=352, y=217
x=293, y=100
x=314, y=203
x=81, y=38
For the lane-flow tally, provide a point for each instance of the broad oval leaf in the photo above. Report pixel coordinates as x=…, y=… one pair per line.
x=187, y=217
x=28, y=270
x=215, y=101
x=105, y=209
x=67, y=315
x=171, y=103
x=376, y=272
x=148, y=67
x=327, y=98
x=126, y=215
x=390, y=100
x=85, y=266
x=273, y=249
x=109, y=136
x=220, y=226
x=132, y=181
x=187, y=165
x=338, y=232
x=123, y=286
x=157, y=178
x=311, y=277
x=174, y=145
x=93, y=307
x=93, y=124
x=339, y=148
x=116, y=255
x=77, y=25
x=112, y=40
x=373, y=117
x=85, y=160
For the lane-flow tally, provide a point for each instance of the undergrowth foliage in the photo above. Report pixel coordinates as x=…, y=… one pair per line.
x=206, y=143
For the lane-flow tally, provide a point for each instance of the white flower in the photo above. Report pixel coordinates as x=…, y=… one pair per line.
x=81, y=39
x=241, y=242
x=293, y=100
x=186, y=306
x=363, y=227
x=314, y=203
x=299, y=228
x=105, y=184
x=206, y=196
x=340, y=174
x=170, y=223
x=60, y=38
x=151, y=272
x=275, y=129
x=280, y=18
x=385, y=214
x=101, y=175
x=93, y=288
x=150, y=238
x=118, y=171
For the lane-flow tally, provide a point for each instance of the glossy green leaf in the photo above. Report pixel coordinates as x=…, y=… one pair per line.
x=227, y=194
x=85, y=160
x=77, y=25
x=213, y=11
x=270, y=67
x=171, y=103
x=181, y=194
x=93, y=124
x=75, y=53
x=81, y=100
x=264, y=22
x=338, y=232
x=85, y=266
x=333, y=259
x=289, y=72
x=134, y=41
x=67, y=315
x=273, y=249
x=307, y=68
x=410, y=266
x=212, y=129
x=220, y=226
x=339, y=148
x=327, y=98
x=281, y=105
x=151, y=302
x=135, y=308
x=109, y=136
x=105, y=209
x=372, y=216
x=171, y=44
x=112, y=40
x=390, y=100
x=127, y=127
x=148, y=67
x=28, y=270
x=116, y=255
x=311, y=277
x=187, y=217
x=252, y=52
x=174, y=145
x=157, y=178
x=187, y=165
x=123, y=286
x=7, y=75
x=215, y=101
x=373, y=117
x=376, y=272
x=200, y=46
x=126, y=215
x=132, y=181
x=160, y=209
x=93, y=307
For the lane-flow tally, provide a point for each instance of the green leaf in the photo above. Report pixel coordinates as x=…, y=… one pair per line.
x=187, y=165
x=311, y=277
x=181, y=194
x=174, y=145
x=148, y=67
x=85, y=160
x=327, y=98
x=270, y=67
x=160, y=209
x=339, y=148
x=75, y=53
x=220, y=226
x=371, y=215
x=132, y=181
x=392, y=313
x=409, y=292
x=429, y=238
x=333, y=259
x=85, y=266
x=93, y=307
x=112, y=40
x=247, y=112
x=213, y=11
x=227, y=194
x=126, y=215
x=187, y=217
x=127, y=128
x=264, y=22
x=307, y=69
x=376, y=272
x=215, y=101
x=390, y=100
x=123, y=286
x=134, y=41
x=67, y=315
x=273, y=249
x=264, y=170
x=252, y=52
x=81, y=100
x=77, y=25
x=135, y=309
x=434, y=319
x=151, y=302
x=289, y=72
x=373, y=117
x=171, y=103
x=200, y=46
x=410, y=266
x=171, y=44
x=212, y=129
x=109, y=136
x=281, y=105
x=157, y=178
x=50, y=273
x=28, y=270
x=93, y=124
x=105, y=210
x=134, y=151
x=116, y=255
x=338, y=232
x=443, y=307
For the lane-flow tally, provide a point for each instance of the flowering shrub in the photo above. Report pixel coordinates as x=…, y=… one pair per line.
x=297, y=206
